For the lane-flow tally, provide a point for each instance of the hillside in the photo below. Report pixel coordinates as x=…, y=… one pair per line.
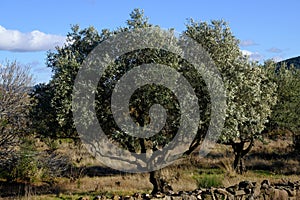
x=295, y=61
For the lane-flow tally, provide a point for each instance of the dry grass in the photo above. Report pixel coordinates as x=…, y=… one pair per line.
x=181, y=173
x=117, y=183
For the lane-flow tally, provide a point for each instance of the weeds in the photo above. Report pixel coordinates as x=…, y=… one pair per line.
x=226, y=166
x=209, y=178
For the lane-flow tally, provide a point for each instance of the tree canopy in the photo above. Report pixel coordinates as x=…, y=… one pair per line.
x=250, y=94
x=286, y=112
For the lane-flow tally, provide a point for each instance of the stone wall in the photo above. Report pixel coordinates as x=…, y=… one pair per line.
x=245, y=190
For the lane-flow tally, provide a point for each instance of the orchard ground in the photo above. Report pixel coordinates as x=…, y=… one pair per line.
x=271, y=159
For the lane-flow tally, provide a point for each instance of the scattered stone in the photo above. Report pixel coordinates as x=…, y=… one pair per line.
x=128, y=198
x=167, y=198
x=170, y=193
x=98, y=198
x=83, y=198
x=188, y=197
x=240, y=193
x=226, y=194
x=256, y=191
x=159, y=195
x=116, y=197
x=137, y=196
x=176, y=198
x=245, y=190
x=232, y=189
x=146, y=196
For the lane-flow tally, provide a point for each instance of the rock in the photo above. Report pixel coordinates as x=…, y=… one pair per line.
x=240, y=193
x=266, y=182
x=167, y=198
x=280, y=195
x=137, y=196
x=226, y=194
x=275, y=194
x=198, y=191
x=99, y=198
x=176, y=198
x=128, y=198
x=245, y=190
x=264, y=186
x=256, y=192
x=83, y=198
x=188, y=197
x=182, y=192
x=232, y=189
x=116, y=197
x=159, y=195
x=292, y=185
x=171, y=193
x=146, y=196
x=291, y=192
x=245, y=185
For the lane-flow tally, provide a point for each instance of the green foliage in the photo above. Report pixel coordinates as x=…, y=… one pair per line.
x=66, y=61
x=25, y=167
x=286, y=113
x=145, y=97
x=137, y=19
x=250, y=94
x=43, y=114
x=207, y=180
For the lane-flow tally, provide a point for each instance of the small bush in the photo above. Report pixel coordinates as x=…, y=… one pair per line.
x=26, y=165
x=209, y=180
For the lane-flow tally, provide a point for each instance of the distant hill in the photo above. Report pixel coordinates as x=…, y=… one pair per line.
x=295, y=61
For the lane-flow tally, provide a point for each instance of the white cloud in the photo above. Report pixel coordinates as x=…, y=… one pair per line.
x=274, y=50
x=246, y=52
x=255, y=56
x=246, y=43
x=14, y=40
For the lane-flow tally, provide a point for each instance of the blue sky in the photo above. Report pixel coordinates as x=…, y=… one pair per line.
x=267, y=29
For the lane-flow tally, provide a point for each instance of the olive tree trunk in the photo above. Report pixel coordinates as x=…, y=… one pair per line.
x=239, y=154
x=296, y=143
x=160, y=185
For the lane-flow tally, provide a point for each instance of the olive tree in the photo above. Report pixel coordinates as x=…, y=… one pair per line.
x=250, y=92
x=248, y=89
x=286, y=112
x=65, y=63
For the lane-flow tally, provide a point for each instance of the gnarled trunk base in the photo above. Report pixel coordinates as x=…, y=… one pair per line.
x=159, y=184
x=239, y=154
